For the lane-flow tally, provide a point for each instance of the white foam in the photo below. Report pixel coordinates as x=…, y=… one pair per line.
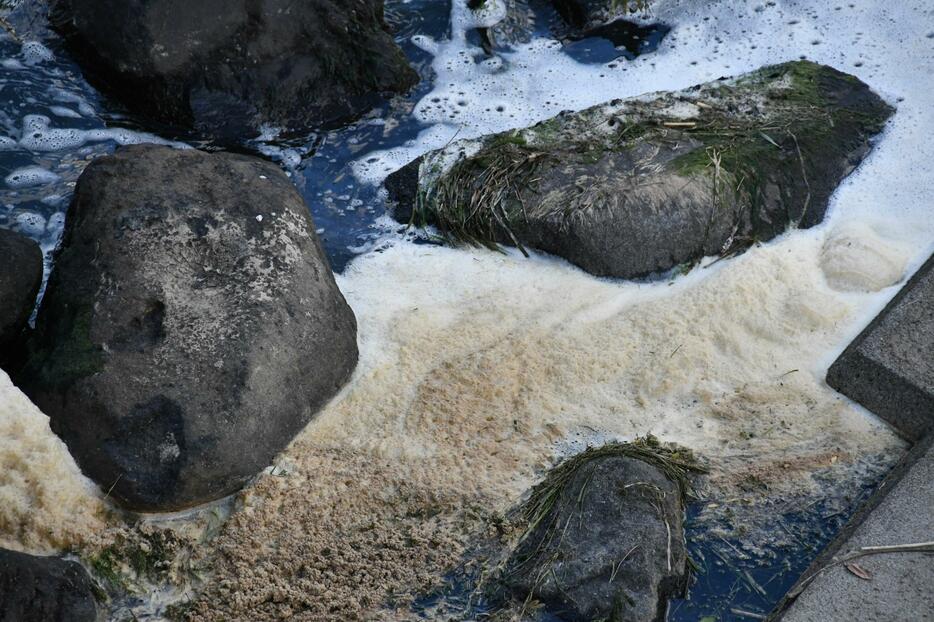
x=34, y=53
x=38, y=135
x=61, y=95
x=30, y=224
x=62, y=111
x=30, y=176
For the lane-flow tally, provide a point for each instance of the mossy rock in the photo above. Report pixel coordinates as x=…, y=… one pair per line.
x=640, y=186
x=604, y=537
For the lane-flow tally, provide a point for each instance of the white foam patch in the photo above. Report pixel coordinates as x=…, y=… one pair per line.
x=61, y=95
x=30, y=224
x=38, y=135
x=46, y=504
x=34, y=53
x=29, y=176
x=62, y=111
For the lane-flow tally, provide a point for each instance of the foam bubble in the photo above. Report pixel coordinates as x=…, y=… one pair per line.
x=34, y=53
x=30, y=224
x=29, y=176
x=61, y=111
x=856, y=258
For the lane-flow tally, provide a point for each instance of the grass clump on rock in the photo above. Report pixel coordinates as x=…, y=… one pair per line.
x=634, y=187
x=602, y=536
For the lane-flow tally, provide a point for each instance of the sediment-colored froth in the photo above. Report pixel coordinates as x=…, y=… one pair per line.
x=46, y=504
x=856, y=258
x=475, y=368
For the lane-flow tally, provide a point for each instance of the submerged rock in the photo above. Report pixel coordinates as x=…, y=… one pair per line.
x=228, y=67
x=515, y=24
x=606, y=539
x=44, y=589
x=20, y=279
x=639, y=186
x=191, y=327
x=584, y=18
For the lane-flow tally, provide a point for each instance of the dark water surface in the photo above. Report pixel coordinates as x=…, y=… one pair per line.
x=729, y=578
x=738, y=575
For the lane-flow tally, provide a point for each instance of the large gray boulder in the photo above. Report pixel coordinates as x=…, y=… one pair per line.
x=20, y=279
x=226, y=67
x=606, y=540
x=639, y=186
x=191, y=326
x=44, y=589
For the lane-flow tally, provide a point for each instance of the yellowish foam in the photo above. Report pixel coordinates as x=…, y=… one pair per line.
x=46, y=504
x=479, y=362
x=856, y=258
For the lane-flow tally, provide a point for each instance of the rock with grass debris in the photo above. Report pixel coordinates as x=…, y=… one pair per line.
x=44, y=589
x=20, y=279
x=227, y=67
x=640, y=186
x=604, y=538
x=191, y=327
x=583, y=18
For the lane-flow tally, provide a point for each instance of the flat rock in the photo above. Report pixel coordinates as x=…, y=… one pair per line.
x=606, y=540
x=44, y=589
x=900, y=584
x=227, y=67
x=191, y=325
x=640, y=186
x=889, y=368
x=20, y=279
